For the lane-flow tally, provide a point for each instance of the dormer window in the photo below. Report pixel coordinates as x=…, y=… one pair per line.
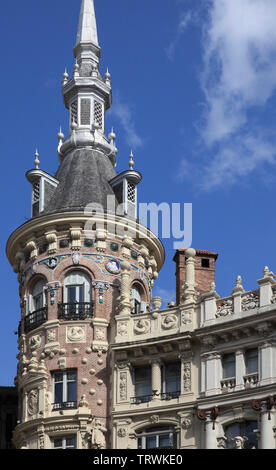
x=43, y=186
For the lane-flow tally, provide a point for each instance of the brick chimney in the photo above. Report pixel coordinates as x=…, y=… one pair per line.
x=204, y=270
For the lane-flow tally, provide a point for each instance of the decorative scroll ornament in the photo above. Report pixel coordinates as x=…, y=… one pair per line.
x=169, y=321
x=187, y=377
x=250, y=301
x=224, y=308
x=122, y=328
x=52, y=336
x=35, y=342
x=186, y=317
x=122, y=432
x=187, y=422
x=142, y=326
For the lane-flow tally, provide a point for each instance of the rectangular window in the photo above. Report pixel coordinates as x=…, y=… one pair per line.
x=68, y=442
x=229, y=365
x=251, y=361
x=142, y=381
x=74, y=112
x=171, y=380
x=98, y=114
x=65, y=389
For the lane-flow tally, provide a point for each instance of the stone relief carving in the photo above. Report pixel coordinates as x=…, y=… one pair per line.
x=33, y=402
x=123, y=386
x=35, y=342
x=98, y=435
x=225, y=308
x=141, y=326
x=100, y=334
x=75, y=334
x=187, y=422
x=186, y=317
x=122, y=328
x=169, y=321
x=187, y=383
x=122, y=432
x=250, y=301
x=154, y=418
x=52, y=334
x=273, y=298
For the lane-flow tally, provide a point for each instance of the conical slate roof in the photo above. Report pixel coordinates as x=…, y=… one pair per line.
x=83, y=179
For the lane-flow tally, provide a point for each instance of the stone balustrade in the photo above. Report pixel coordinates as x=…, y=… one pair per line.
x=251, y=380
x=133, y=327
x=227, y=385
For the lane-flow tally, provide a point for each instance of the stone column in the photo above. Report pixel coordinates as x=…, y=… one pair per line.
x=213, y=373
x=210, y=432
x=240, y=369
x=156, y=378
x=237, y=295
x=124, y=307
x=267, y=440
x=209, y=306
x=266, y=284
x=189, y=294
x=267, y=363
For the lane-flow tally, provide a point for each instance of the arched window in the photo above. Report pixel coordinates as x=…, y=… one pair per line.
x=77, y=302
x=162, y=437
x=138, y=303
x=245, y=430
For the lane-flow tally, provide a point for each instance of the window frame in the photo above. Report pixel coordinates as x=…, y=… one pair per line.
x=65, y=383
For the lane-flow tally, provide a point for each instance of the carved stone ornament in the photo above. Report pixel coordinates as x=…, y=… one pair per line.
x=100, y=334
x=122, y=328
x=169, y=321
x=187, y=422
x=83, y=402
x=123, y=386
x=76, y=259
x=98, y=435
x=224, y=308
x=35, y=342
x=122, y=432
x=250, y=301
x=187, y=377
x=33, y=402
x=141, y=326
x=273, y=298
x=186, y=317
x=52, y=334
x=75, y=334
x=154, y=419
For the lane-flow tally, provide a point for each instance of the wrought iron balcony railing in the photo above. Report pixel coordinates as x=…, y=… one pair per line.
x=170, y=395
x=35, y=319
x=141, y=399
x=75, y=310
x=67, y=405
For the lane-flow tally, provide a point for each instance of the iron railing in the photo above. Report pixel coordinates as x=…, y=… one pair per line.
x=141, y=399
x=170, y=395
x=35, y=319
x=66, y=405
x=75, y=310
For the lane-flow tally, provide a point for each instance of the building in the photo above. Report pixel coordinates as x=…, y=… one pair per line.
x=100, y=364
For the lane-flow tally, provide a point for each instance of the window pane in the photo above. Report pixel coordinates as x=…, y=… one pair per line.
x=72, y=294
x=164, y=441
x=81, y=294
x=58, y=443
x=229, y=366
x=71, y=391
x=71, y=442
x=59, y=392
x=151, y=442
x=251, y=361
x=172, y=377
x=143, y=381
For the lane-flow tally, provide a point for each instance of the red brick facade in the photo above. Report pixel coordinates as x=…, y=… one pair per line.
x=204, y=270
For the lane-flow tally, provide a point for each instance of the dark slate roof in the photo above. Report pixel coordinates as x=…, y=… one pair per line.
x=83, y=179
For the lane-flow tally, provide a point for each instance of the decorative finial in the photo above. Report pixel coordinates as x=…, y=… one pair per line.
x=36, y=161
x=238, y=287
x=268, y=273
x=60, y=135
x=76, y=69
x=107, y=77
x=74, y=125
x=65, y=77
x=112, y=136
x=212, y=287
x=131, y=161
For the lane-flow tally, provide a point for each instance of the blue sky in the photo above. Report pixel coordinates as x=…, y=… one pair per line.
x=193, y=96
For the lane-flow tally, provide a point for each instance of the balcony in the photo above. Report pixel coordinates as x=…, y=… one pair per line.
x=251, y=380
x=170, y=395
x=68, y=405
x=75, y=311
x=35, y=319
x=141, y=399
x=228, y=385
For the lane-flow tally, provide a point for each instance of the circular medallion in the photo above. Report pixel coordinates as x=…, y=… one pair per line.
x=52, y=262
x=113, y=266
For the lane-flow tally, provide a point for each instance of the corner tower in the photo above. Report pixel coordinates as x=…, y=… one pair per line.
x=83, y=260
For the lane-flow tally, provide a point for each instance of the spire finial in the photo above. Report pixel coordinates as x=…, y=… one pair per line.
x=36, y=161
x=131, y=161
x=65, y=77
x=87, y=31
x=107, y=77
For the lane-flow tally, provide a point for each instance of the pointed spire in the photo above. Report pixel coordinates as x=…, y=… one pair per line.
x=131, y=161
x=87, y=32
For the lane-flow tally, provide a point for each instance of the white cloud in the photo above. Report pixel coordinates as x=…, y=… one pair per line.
x=238, y=80
x=125, y=115
x=184, y=22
